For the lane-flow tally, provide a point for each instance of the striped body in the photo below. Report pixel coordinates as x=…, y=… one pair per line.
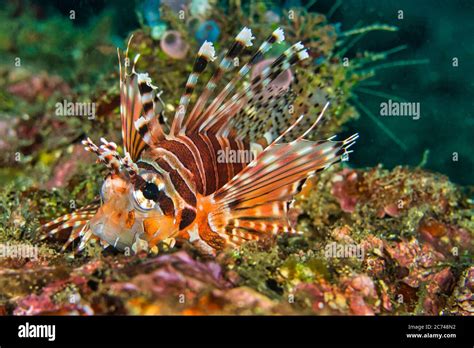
x=193, y=171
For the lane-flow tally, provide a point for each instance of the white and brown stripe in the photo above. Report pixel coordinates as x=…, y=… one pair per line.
x=294, y=54
x=191, y=162
x=242, y=40
x=149, y=126
x=206, y=54
x=207, y=117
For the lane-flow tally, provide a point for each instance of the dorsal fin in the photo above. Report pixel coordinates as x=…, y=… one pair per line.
x=205, y=55
x=267, y=113
x=140, y=114
x=130, y=108
x=247, y=115
x=199, y=114
x=208, y=114
x=252, y=96
x=241, y=41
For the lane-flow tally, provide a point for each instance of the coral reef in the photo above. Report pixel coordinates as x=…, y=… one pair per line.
x=359, y=263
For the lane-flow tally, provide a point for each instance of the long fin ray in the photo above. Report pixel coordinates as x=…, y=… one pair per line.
x=75, y=224
x=241, y=41
x=205, y=55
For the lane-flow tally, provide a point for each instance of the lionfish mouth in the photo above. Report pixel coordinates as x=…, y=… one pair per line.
x=103, y=231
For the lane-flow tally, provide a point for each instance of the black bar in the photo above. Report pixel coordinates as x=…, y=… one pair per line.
x=214, y=330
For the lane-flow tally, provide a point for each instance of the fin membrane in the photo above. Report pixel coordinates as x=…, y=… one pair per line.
x=255, y=202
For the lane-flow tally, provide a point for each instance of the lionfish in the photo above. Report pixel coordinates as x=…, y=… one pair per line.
x=170, y=185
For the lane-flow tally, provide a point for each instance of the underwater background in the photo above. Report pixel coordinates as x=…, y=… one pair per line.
x=406, y=191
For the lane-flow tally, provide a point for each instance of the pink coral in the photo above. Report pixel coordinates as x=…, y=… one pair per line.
x=448, y=239
x=355, y=295
x=439, y=283
x=66, y=168
x=176, y=272
x=39, y=86
x=344, y=188
x=44, y=303
x=282, y=82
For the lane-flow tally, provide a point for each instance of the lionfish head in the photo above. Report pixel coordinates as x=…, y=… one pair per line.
x=129, y=216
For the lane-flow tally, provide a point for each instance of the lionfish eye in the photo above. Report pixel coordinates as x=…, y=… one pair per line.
x=150, y=191
x=147, y=190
